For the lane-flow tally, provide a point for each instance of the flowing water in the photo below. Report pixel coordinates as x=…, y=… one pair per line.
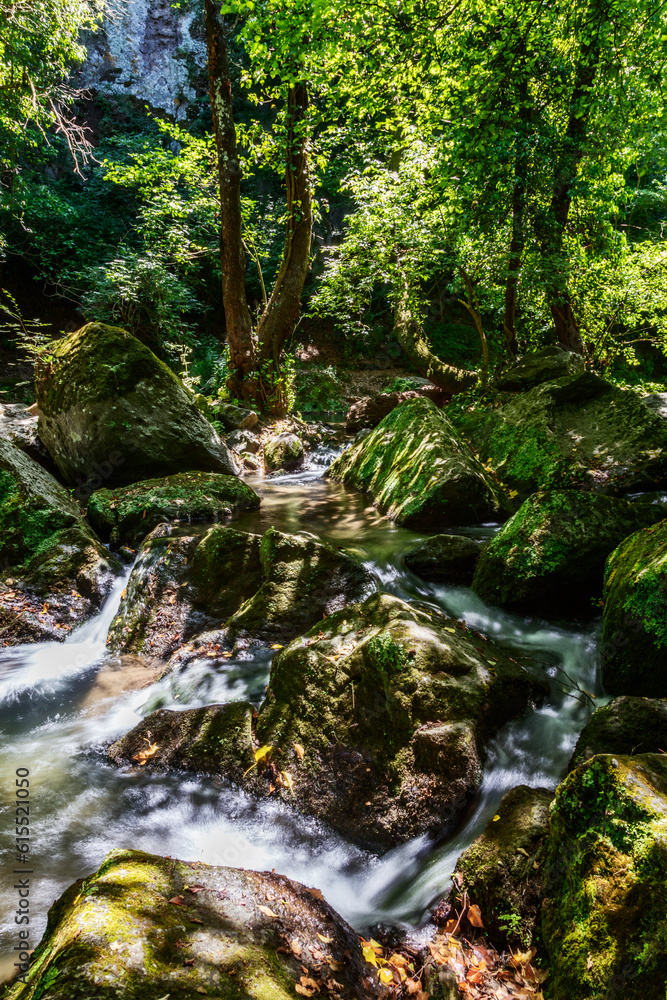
x=60, y=704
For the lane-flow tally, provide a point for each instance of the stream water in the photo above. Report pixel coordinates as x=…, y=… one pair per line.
x=61, y=703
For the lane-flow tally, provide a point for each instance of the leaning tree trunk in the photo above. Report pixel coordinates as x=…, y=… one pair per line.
x=232, y=258
x=409, y=334
x=283, y=309
x=564, y=179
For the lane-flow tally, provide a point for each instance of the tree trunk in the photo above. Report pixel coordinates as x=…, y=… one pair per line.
x=565, y=175
x=283, y=309
x=521, y=162
x=409, y=335
x=232, y=257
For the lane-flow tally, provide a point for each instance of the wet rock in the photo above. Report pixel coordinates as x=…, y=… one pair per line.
x=549, y=557
x=60, y=572
x=240, y=441
x=626, y=726
x=419, y=472
x=369, y=411
x=212, y=740
x=578, y=431
x=146, y=928
x=284, y=451
x=111, y=413
x=605, y=912
x=503, y=869
x=634, y=621
x=235, y=418
x=18, y=425
x=127, y=514
x=375, y=721
x=445, y=559
x=391, y=706
x=541, y=366
x=182, y=584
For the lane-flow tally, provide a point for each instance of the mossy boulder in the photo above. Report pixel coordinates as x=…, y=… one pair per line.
x=419, y=472
x=60, y=572
x=549, y=557
x=216, y=739
x=503, y=869
x=625, y=726
x=377, y=720
x=182, y=584
x=634, y=621
x=533, y=369
x=144, y=927
x=111, y=413
x=578, y=431
x=605, y=912
x=284, y=451
x=445, y=559
x=235, y=417
x=125, y=515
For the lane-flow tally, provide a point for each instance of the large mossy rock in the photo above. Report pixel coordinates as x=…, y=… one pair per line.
x=377, y=720
x=144, y=927
x=578, y=431
x=60, y=572
x=549, y=557
x=605, y=912
x=445, y=559
x=284, y=451
x=230, y=586
x=125, y=515
x=634, y=622
x=625, y=726
x=182, y=584
x=503, y=869
x=540, y=366
x=419, y=472
x=111, y=413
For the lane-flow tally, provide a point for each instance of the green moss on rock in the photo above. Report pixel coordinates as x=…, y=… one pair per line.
x=126, y=515
x=419, y=472
x=634, y=624
x=111, y=413
x=625, y=726
x=549, y=557
x=284, y=451
x=145, y=928
x=605, y=912
x=574, y=431
x=503, y=869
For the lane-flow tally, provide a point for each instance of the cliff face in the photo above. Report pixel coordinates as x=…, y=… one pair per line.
x=149, y=51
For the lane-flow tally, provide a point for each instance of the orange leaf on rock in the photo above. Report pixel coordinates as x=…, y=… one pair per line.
x=475, y=916
x=267, y=911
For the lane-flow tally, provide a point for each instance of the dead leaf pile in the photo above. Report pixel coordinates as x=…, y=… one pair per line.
x=483, y=972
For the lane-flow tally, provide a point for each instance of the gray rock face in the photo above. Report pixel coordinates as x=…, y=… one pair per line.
x=626, y=726
x=243, y=441
x=18, y=424
x=145, y=51
x=541, y=366
x=657, y=402
x=111, y=413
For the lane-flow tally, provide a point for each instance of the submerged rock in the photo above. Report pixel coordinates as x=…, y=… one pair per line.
x=605, y=913
x=419, y=472
x=125, y=515
x=284, y=451
x=625, y=726
x=578, y=431
x=111, y=413
x=549, y=557
x=634, y=622
x=146, y=928
x=376, y=719
x=445, y=559
x=60, y=572
x=503, y=869
x=540, y=366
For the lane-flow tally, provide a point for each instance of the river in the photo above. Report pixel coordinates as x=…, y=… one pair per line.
x=62, y=703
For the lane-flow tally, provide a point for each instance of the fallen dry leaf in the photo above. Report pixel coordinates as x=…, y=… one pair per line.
x=267, y=911
x=299, y=750
x=475, y=916
x=177, y=900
